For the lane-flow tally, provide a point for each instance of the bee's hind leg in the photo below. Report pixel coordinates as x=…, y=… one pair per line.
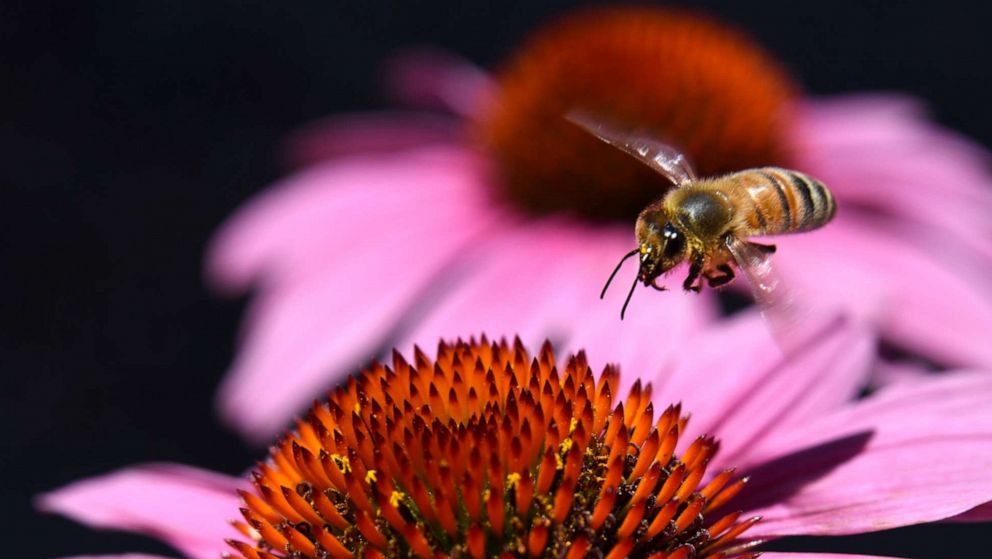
x=717, y=281
x=767, y=249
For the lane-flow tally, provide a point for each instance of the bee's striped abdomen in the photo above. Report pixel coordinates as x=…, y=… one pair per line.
x=785, y=201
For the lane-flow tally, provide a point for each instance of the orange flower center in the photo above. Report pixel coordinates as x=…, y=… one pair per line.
x=486, y=452
x=693, y=83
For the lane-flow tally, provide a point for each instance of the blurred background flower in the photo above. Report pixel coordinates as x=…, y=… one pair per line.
x=819, y=464
x=133, y=129
x=396, y=226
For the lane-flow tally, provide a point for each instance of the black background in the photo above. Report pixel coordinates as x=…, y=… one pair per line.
x=129, y=130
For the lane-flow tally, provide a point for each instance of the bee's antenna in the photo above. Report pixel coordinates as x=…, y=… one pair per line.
x=615, y=270
x=629, y=295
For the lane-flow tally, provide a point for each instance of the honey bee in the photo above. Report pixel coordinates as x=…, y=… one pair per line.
x=707, y=222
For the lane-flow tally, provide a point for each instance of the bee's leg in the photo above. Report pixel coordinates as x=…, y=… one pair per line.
x=727, y=277
x=767, y=249
x=654, y=284
x=694, y=270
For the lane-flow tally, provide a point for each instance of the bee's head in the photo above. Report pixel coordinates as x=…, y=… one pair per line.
x=661, y=245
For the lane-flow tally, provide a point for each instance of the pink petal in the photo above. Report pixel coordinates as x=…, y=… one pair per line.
x=886, y=373
x=848, y=127
x=515, y=288
x=344, y=252
x=981, y=513
x=185, y=507
x=368, y=133
x=739, y=387
x=657, y=327
x=893, y=285
x=432, y=78
x=123, y=556
x=335, y=207
x=541, y=280
x=917, y=172
x=797, y=555
x=914, y=453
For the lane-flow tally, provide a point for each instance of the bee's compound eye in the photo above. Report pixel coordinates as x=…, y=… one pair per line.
x=674, y=241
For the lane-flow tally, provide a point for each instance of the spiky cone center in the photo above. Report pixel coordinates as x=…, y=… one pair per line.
x=486, y=452
x=694, y=83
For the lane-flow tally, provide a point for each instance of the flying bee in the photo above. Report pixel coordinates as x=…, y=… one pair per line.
x=707, y=222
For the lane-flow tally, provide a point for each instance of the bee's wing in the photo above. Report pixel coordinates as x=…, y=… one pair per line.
x=757, y=266
x=659, y=156
x=784, y=316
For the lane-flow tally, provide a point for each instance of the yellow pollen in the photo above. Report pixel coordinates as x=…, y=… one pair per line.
x=563, y=449
x=512, y=480
x=572, y=424
x=358, y=408
x=396, y=498
x=370, y=477
x=485, y=495
x=342, y=463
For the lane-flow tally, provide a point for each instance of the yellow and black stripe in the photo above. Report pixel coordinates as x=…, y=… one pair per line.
x=785, y=201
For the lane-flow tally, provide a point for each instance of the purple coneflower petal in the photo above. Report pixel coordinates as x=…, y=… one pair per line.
x=122, y=556
x=341, y=206
x=421, y=78
x=745, y=389
x=893, y=285
x=842, y=128
x=428, y=77
x=791, y=555
x=658, y=327
x=513, y=284
x=913, y=453
x=981, y=513
x=538, y=281
x=885, y=373
x=328, y=298
x=369, y=133
x=882, y=156
x=183, y=506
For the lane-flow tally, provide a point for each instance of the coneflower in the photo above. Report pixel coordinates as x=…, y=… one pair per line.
x=487, y=452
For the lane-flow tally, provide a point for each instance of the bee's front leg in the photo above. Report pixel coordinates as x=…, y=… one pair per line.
x=654, y=284
x=694, y=270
